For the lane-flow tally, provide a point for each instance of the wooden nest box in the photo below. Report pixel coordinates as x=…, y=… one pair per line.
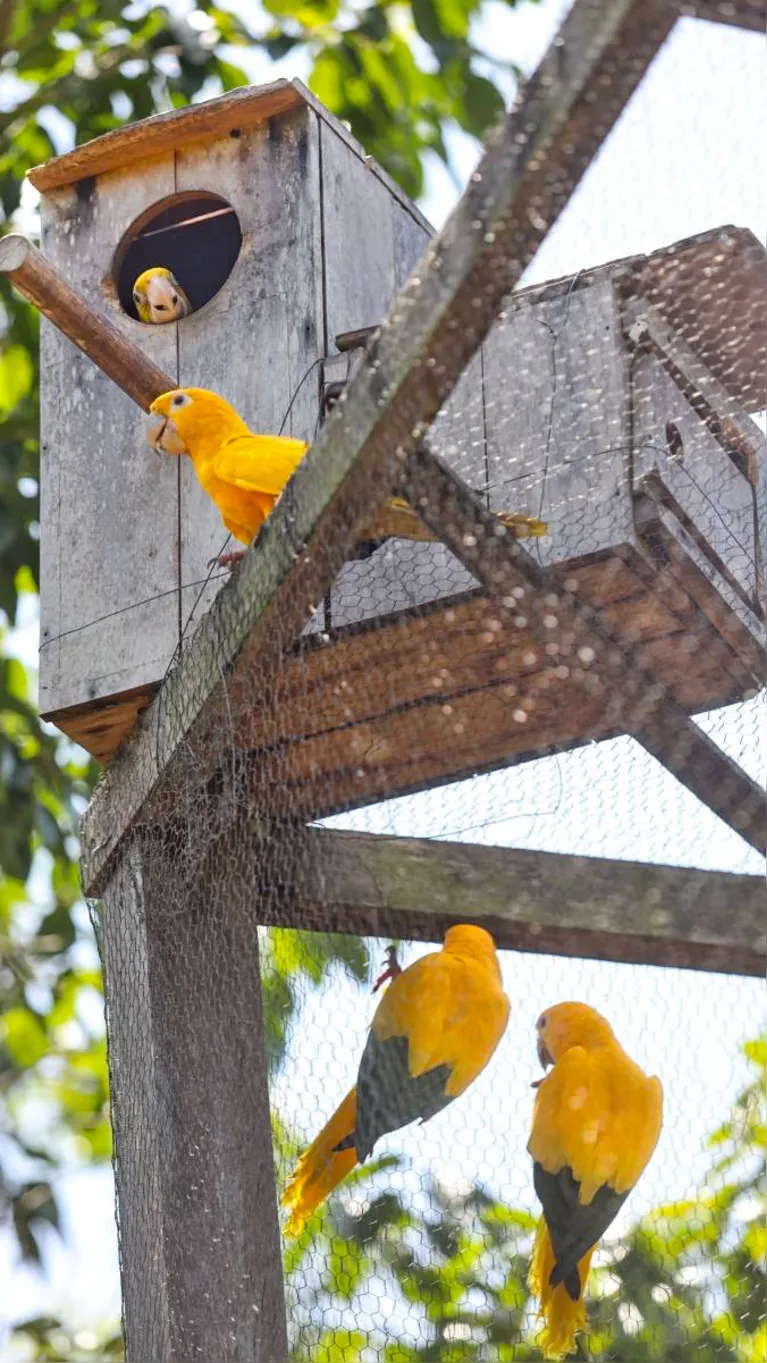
x=615, y=405
x=285, y=236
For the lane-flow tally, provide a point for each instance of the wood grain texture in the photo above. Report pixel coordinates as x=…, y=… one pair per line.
x=557, y=428
x=667, y=542
x=109, y=520
x=710, y=291
x=648, y=332
x=199, y=1236
x=529, y=169
x=528, y=900
x=371, y=244
x=164, y=133
x=748, y=14
x=692, y=472
x=631, y=695
x=257, y=340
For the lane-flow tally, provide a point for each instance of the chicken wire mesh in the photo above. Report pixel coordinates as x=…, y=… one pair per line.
x=487, y=689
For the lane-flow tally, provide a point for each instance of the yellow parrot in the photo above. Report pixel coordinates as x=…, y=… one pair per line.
x=159, y=297
x=244, y=473
x=433, y=1032
x=596, y=1121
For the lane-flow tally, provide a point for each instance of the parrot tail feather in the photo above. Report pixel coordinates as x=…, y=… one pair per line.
x=330, y=1157
x=563, y=1314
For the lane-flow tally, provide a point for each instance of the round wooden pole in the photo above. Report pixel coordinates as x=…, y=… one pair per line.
x=95, y=335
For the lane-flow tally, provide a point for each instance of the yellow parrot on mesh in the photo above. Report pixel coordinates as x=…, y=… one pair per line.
x=596, y=1121
x=433, y=1032
x=244, y=474
x=159, y=297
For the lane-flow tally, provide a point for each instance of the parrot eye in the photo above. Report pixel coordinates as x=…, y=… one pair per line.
x=180, y=400
x=136, y=296
x=542, y=1022
x=174, y=299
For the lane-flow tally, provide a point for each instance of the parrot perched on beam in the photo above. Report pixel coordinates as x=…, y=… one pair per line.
x=433, y=1032
x=596, y=1121
x=159, y=297
x=244, y=473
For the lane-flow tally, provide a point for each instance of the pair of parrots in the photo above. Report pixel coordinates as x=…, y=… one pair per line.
x=243, y=473
x=596, y=1117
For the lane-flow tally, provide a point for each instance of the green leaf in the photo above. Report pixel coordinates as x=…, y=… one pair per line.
x=16, y=377
x=23, y=1036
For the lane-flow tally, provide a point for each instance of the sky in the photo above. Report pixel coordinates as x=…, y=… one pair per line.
x=682, y=159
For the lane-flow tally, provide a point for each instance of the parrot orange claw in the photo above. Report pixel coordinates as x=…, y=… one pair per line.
x=227, y=560
x=391, y=970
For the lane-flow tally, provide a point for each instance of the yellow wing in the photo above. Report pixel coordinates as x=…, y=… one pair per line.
x=453, y=1012
x=258, y=463
x=414, y=1006
x=597, y=1114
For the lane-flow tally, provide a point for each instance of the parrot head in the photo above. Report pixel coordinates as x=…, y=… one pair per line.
x=566, y=1025
x=191, y=420
x=467, y=940
x=159, y=297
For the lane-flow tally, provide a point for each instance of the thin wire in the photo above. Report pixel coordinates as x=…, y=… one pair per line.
x=121, y=610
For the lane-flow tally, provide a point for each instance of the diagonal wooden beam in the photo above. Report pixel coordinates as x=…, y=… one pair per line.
x=532, y=162
x=598, y=657
x=530, y=901
x=748, y=14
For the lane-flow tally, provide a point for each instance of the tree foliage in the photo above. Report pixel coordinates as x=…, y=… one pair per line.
x=400, y=72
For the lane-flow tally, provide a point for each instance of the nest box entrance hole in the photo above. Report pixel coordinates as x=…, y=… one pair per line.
x=197, y=236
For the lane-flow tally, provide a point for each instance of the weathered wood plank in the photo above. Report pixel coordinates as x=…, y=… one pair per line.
x=531, y=165
x=163, y=133
x=558, y=442
x=108, y=621
x=631, y=696
x=748, y=14
x=681, y=561
x=687, y=444
x=256, y=341
x=190, y=1107
x=529, y=900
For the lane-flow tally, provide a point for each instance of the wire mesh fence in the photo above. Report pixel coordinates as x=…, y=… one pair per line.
x=565, y=660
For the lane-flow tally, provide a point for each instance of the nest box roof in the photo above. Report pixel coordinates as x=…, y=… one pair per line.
x=211, y=119
x=165, y=132
x=711, y=289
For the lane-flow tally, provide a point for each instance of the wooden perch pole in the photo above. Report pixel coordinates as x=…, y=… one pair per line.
x=95, y=335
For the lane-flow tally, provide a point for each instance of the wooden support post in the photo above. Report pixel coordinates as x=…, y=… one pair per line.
x=530, y=901
x=597, y=655
x=199, y=1234
x=96, y=336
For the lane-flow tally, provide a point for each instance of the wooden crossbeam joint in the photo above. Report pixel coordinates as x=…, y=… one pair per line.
x=598, y=657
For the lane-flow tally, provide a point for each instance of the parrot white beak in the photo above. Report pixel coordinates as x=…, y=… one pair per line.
x=164, y=300
x=161, y=434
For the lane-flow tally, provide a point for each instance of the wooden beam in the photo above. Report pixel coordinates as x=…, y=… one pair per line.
x=634, y=698
x=748, y=14
x=532, y=162
x=199, y=1232
x=164, y=132
x=94, y=334
x=530, y=901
